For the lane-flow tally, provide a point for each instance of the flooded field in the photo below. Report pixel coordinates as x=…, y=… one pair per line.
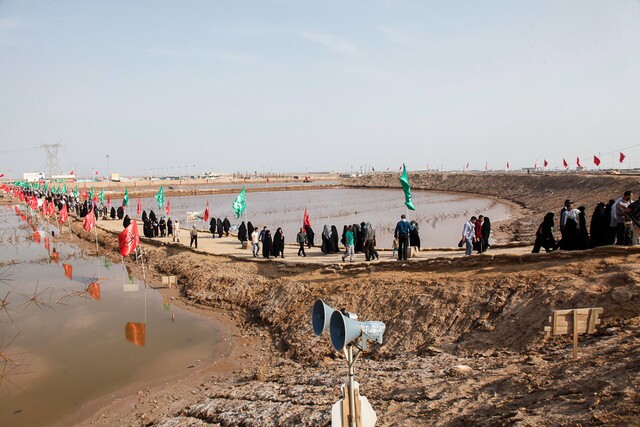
x=74, y=328
x=440, y=216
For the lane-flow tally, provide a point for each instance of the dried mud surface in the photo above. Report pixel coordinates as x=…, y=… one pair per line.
x=464, y=343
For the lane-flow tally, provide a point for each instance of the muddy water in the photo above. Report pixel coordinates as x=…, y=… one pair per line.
x=440, y=215
x=76, y=328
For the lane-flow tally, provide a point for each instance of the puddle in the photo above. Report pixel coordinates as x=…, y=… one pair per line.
x=439, y=215
x=74, y=328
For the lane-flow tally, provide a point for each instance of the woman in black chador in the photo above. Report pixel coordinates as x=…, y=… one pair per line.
x=327, y=246
x=334, y=239
x=152, y=216
x=414, y=236
x=126, y=221
x=147, y=228
x=611, y=233
x=144, y=216
x=163, y=227
x=169, y=227
x=343, y=239
x=120, y=212
x=226, y=225
x=112, y=214
x=267, y=244
x=544, y=235
x=250, y=229
x=599, y=227
x=310, y=235
x=242, y=232
x=583, y=234
x=219, y=227
x=212, y=227
x=278, y=243
x=357, y=239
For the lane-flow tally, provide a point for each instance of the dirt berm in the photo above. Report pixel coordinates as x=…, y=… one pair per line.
x=464, y=343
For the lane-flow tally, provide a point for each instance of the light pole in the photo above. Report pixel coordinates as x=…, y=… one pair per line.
x=108, y=171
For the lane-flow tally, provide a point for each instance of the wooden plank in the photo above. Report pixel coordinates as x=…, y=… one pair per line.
x=575, y=334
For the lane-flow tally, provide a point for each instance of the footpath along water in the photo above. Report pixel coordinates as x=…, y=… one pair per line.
x=74, y=328
x=440, y=215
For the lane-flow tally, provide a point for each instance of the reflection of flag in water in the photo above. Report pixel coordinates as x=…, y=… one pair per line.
x=107, y=263
x=54, y=256
x=68, y=270
x=135, y=333
x=36, y=237
x=46, y=243
x=166, y=303
x=94, y=291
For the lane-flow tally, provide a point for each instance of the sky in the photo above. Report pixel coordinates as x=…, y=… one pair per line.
x=167, y=87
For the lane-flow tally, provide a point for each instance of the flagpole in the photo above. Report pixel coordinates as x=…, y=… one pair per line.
x=144, y=276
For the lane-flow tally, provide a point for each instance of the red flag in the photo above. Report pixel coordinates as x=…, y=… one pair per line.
x=400, y=168
x=85, y=194
x=507, y=165
x=135, y=333
x=545, y=163
x=466, y=167
x=2, y=175
x=51, y=209
x=139, y=210
x=564, y=162
x=108, y=200
x=71, y=173
x=622, y=156
x=64, y=214
x=68, y=271
x=96, y=175
x=21, y=195
x=167, y=209
x=596, y=160
x=305, y=219
x=578, y=162
x=44, y=207
x=388, y=167
x=54, y=256
x=206, y=213
x=36, y=236
x=94, y=291
x=128, y=239
x=89, y=221
x=33, y=203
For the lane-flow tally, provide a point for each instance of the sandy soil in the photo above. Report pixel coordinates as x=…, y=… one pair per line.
x=464, y=343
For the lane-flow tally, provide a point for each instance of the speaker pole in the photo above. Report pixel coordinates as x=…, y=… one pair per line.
x=351, y=360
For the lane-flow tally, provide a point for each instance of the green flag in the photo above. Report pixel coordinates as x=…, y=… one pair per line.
x=240, y=203
x=101, y=196
x=404, y=181
x=125, y=199
x=91, y=193
x=64, y=189
x=160, y=197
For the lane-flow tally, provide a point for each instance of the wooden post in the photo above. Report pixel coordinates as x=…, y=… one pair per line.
x=575, y=333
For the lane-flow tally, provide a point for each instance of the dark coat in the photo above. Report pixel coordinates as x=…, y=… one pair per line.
x=170, y=227
x=599, y=226
x=242, y=232
x=120, y=212
x=126, y=222
x=212, y=227
x=226, y=225
x=112, y=214
x=144, y=216
x=310, y=235
x=334, y=240
x=219, y=227
x=267, y=244
x=278, y=244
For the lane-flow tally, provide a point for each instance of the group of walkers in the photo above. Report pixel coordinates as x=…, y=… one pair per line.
x=612, y=223
x=262, y=243
x=476, y=235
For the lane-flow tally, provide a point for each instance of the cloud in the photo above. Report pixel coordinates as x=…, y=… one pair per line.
x=330, y=41
x=198, y=53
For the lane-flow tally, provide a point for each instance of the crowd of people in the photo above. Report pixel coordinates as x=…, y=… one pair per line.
x=476, y=235
x=611, y=223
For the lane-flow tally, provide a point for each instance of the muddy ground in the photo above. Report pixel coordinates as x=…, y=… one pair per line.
x=464, y=343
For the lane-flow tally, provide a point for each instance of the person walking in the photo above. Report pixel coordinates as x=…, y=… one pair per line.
x=278, y=243
x=194, y=237
x=623, y=224
x=301, y=239
x=348, y=243
x=469, y=234
x=176, y=231
x=403, y=228
x=370, y=252
x=544, y=235
x=255, y=244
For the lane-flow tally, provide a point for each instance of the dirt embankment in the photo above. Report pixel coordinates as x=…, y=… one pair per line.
x=485, y=314
x=537, y=193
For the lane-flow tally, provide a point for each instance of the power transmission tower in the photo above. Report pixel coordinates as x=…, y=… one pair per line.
x=51, y=151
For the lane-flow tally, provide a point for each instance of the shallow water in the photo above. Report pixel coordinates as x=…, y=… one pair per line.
x=73, y=328
x=440, y=215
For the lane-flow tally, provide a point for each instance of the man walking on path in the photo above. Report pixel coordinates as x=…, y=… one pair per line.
x=255, y=244
x=301, y=238
x=469, y=235
x=194, y=237
x=403, y=228
x=348, y=243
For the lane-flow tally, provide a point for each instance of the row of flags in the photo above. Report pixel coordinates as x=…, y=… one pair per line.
x=565, y=164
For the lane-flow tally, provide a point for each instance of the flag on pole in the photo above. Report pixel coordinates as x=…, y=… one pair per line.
x=44, y=207
x=2, y=175
x=64, y=189
x=64, y=214
x=168, y=207
x=206, y=213
x=622, y=156
x=101, y=196
x=125, y=199
x=75, y=192
x=596, y=160
x=96, y=173
x=404, y=181
x=240, y=203
x=51, y=209
x=89, y=221
x=68, y=270
x=160, y=197
x=139, y=209
x=564, y=163
x=545, y=163
x=33, y=203
x=578, y=162
x=128, y=239
x=108, y=199
x=85, y=195
x=467, y=166
x=71, y=173
x=507, y=165
x=91, y=193
x=305, y=219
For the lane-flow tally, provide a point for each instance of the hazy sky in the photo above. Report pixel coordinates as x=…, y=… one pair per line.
x=317, y=85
